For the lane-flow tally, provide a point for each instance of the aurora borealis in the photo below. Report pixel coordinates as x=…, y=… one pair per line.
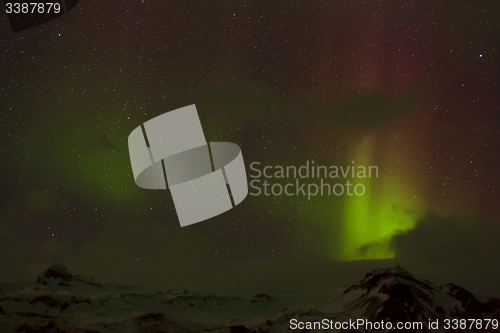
x=410, y=87
x=391, y=206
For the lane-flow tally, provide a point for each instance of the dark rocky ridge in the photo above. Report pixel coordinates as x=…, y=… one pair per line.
x=391, y=295
x=64, y=277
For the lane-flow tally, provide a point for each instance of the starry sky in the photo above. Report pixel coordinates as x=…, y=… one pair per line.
x=409, y=86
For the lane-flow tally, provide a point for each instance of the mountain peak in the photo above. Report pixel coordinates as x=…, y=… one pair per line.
x=399, y=269
x=390, y=295
x=394, y=293
x=59, y=275
x=56, y=271
x=395, y=271
x=386, y=280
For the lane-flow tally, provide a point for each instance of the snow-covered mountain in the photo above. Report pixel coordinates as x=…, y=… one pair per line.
x=395, y=295
x=61, y=302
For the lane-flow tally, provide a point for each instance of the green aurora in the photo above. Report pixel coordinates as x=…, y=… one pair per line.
x=388, y=207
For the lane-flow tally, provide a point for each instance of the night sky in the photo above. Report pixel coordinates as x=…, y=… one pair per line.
x=409, y=86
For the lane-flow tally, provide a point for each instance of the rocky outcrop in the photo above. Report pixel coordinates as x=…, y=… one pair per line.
x=60, y=275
